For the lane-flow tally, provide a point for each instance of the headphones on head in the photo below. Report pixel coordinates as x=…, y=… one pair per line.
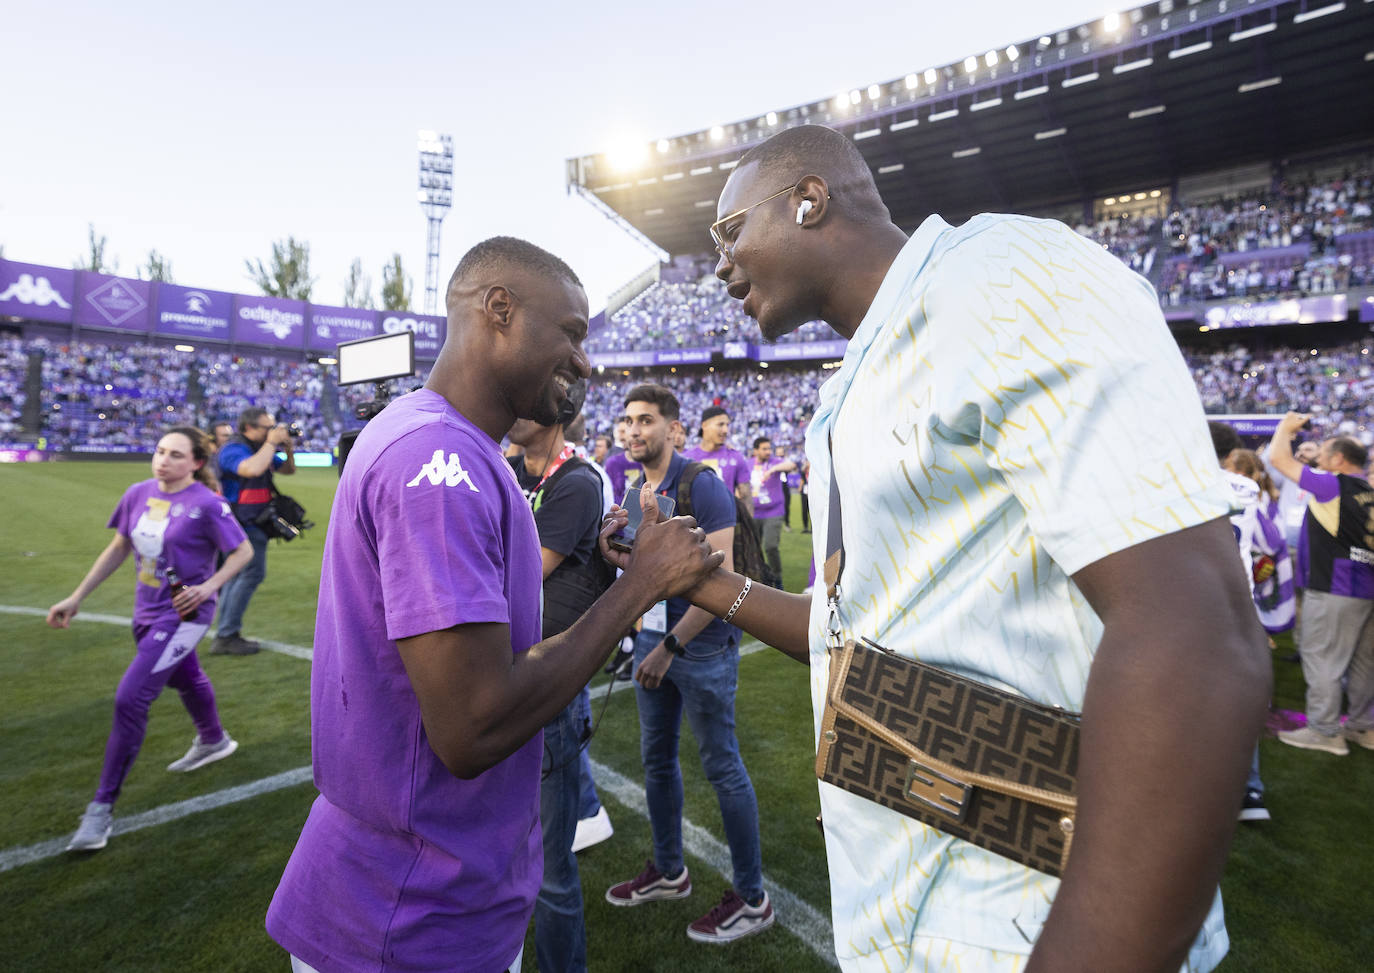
x=571, y=406
x=802, y=210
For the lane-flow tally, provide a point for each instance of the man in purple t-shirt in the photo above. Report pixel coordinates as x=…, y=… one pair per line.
x=765, y=479
x=731, y=464
x=430, y=683
x=1337, y=558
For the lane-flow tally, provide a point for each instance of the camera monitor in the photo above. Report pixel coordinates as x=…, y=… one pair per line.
x=377, y=359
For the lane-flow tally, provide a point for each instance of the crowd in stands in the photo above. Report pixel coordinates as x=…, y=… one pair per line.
x=106, y=395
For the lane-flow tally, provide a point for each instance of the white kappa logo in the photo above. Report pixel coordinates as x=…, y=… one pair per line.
x=449, y=473
x=27, y=290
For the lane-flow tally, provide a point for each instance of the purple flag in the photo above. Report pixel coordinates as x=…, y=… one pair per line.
x=328, y=326
x=273, y=321
x=193, y=312
x=430, y=331
x=36, y=292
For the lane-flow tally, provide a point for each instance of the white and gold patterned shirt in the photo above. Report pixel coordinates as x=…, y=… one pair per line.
x=1011, y=409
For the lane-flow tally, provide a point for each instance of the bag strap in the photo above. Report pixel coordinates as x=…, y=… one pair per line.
x=684, y=487
x=834, y=556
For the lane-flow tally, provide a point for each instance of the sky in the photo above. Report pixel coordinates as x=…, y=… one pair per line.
x=207, y=132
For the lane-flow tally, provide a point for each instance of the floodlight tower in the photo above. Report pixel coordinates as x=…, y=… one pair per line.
x=436, y=197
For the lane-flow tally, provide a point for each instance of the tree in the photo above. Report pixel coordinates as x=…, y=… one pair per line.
x=158, y=267
x=289, y=274
x=395, y=286
x=357, y=286
x=95, y=261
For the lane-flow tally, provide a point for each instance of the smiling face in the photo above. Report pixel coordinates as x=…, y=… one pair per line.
x=174, y=462
x=1307, y=452
x=767, y=256
x=714, y=432
x=649, y=433
x=548, y=326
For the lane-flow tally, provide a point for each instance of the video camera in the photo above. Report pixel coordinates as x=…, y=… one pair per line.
x=375, y=360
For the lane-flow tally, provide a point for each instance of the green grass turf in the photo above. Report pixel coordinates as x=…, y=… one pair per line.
x=190, y=895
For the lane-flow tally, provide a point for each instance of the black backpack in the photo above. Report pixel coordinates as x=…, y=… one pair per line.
x=748, y=546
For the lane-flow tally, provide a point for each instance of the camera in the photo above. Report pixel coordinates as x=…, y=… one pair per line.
x=295, y=430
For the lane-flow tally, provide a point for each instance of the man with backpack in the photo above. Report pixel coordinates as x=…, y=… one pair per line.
x=687, y=661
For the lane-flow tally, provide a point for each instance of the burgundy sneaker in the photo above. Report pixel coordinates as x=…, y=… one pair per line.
x=732, y=919
x=649, y=886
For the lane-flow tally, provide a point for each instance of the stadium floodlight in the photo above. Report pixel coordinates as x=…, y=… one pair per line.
x=970, y=64
x=1257, y=85
x=1051, y=133
x=435, y=198
x=940, y=116
x=1242, y=35
x=842, y=101
x=980, y=105
x=1031, y=92
x=867, y=133
x=771, y=118
x=855, y=97
x=911, y=82
x=1044, y=40
x=874, y=92
x=1155, y=194
x=990, y=59
x=1012, y=52
x=663, y=145
x=965, y=153
x=186, y=348
x=895, y=167
x=1109, y=201
x=1145, y=112
x=931, y=76
x=717, y=133
x=903, y=125
x=1179, y=52
x=1111, y=22
x=1306, y=15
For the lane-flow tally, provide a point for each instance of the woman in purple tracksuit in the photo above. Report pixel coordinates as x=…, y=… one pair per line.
x=176, y=525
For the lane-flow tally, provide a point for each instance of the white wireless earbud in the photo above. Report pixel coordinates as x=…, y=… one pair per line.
x=802, y=210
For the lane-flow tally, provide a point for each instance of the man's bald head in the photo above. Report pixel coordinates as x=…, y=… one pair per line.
x=814, y=150
x=491, y=261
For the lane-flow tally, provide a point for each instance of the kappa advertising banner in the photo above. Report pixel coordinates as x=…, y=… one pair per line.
x=430, y=331
x=684, y=356
x=622, y=359
x=192, y=312
x=328, y=326
x=112, y=302
x=1306, y=310
x=36, y=292
x=803, y=351
x=273, y=321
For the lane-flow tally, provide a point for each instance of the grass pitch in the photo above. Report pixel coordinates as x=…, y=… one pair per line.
x=190, y=894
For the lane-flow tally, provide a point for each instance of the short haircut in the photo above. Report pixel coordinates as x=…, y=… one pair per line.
x=509, y=251
x=1224, y=438
x=761, y=440
x=250, y=415
x=222, y=422
x=603, y=438
x=1354, y=453
x=656, y=395
x=820, y=151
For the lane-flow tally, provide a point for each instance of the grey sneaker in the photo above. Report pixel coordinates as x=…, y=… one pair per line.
x=233, y=645
x=94, y=831
x=1308, y=738
x=1364, y=738
x=201, y=754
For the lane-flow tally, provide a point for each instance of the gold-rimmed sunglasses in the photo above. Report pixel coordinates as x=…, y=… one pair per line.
x=726, y=249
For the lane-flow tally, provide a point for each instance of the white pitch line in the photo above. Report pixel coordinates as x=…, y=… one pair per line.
x=14, y=857
x=285, y=648
x=793, y=913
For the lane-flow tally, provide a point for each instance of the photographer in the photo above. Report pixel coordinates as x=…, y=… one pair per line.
x=246, y=464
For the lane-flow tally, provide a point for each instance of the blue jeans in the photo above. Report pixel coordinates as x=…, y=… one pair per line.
x=588, y=804
x=702, y=684
x=560, y=936
x=234, y=596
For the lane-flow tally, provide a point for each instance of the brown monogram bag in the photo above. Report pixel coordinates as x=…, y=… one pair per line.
x=972, y=761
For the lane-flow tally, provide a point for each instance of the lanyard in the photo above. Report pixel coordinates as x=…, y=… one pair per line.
x=568, y=453
x=834, y=559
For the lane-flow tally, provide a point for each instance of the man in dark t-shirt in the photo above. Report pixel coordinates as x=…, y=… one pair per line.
x=566, y=496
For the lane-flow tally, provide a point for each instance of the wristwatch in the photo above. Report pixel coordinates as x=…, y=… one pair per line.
x=671, y=643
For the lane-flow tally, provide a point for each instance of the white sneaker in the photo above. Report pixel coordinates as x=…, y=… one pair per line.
x=592, y=830
x=201, y=754
x=1309, y=738
x=94, y=831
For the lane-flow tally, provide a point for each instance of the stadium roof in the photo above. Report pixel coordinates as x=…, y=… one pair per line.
x=1135, y=100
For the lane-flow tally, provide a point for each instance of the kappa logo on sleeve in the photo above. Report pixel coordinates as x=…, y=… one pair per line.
x=450, y=473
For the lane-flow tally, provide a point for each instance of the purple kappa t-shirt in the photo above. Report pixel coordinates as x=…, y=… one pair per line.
x=400, y=864
x=767, y=490
x=183, y=530
x=731, y=464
